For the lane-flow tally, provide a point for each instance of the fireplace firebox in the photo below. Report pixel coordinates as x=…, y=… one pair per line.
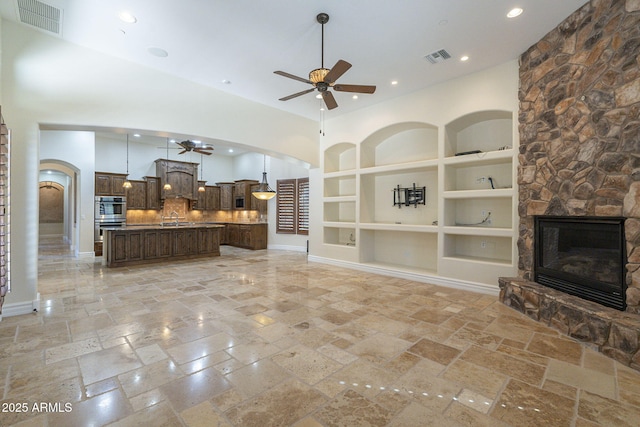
x=582, y=256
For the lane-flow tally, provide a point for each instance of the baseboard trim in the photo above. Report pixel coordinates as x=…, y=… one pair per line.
x=287, y=248
x=448, y=282
x=20, y=308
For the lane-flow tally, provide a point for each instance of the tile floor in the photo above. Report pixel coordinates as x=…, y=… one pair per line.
x=267, y=339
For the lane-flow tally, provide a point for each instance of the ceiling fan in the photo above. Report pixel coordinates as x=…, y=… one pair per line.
x=323, y=78
x=195, y=146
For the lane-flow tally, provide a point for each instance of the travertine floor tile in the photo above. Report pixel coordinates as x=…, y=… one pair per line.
x=259, y=338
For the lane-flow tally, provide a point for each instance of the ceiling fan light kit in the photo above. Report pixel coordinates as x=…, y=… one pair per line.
x=324, y=78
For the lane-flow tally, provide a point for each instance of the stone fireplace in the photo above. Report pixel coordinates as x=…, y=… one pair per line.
x=579, y=126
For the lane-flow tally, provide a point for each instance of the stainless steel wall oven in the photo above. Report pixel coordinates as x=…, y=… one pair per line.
x=109, y=211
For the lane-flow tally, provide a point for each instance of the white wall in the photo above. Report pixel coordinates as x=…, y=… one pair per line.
x=50, y=84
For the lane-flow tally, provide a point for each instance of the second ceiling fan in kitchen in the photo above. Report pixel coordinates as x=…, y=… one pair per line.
x=195, y=146
x=323, y=78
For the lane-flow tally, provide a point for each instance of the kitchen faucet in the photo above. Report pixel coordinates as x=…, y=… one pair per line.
x=177, y=217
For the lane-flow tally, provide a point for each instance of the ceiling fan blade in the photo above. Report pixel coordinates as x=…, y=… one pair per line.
x=339, y=69
x=202, y=151
x=329, y=100
x=355, y=88
x=291, y=76
x=286, y=98
x=183, y=151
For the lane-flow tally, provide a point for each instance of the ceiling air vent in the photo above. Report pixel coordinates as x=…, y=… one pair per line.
x=438, y=56
x=40, y=15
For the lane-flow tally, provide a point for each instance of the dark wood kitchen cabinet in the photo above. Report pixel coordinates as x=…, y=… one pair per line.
x=249, y=236
x=182, y=176
x=226, y=195
x=109, y=184
x=157, y=244
x=127, y=245
x=212, y=198
x=137, y=195
x=153, y=192
x=209, y=200
x=200, y=203
x=184, y=242
x=208, y=240
x=242, y=194
x=153, y=244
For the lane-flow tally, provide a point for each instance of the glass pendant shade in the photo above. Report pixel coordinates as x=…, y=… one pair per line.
x=263, y=191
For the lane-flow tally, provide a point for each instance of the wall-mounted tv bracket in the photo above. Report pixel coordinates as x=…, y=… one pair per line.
x=415, y=196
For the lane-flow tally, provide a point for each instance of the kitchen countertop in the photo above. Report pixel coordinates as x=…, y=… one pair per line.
x=170, y=226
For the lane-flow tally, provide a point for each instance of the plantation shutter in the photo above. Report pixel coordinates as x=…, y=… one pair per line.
x=286, y=206
x=303, y=206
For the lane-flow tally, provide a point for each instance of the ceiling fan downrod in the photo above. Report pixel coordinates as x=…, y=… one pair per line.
x=322, y=18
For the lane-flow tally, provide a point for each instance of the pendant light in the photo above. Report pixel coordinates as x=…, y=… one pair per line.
x=127, y=184
x=167, y=186
x=263, y=191
x=201, y=188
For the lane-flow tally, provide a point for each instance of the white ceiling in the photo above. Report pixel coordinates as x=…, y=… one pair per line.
x=245, y=41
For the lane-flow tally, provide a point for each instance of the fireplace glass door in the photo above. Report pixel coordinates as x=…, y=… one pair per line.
x=582, y=256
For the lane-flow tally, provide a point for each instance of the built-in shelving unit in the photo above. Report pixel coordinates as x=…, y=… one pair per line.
x=464, y=231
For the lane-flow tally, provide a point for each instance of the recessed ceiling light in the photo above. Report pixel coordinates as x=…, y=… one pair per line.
x=159, y=52
x=137, y=135
x=394, y=82
x=319, y=96
x=127, y=17
x=321, y=108
x=227, y=82
x=464, y=58
x=516, y=11
x=231, y=150
x=354, y=97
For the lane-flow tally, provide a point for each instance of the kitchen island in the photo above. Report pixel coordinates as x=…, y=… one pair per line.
x=142, y=244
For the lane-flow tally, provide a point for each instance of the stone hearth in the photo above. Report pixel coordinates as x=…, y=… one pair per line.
x=614, y=333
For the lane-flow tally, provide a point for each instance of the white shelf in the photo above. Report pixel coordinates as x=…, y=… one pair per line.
x=483, y=158
x=338, y=224
x=481, y=194
x=340, y=174
x=479, y=260
x=399, y=227
x=463, y=230
x=404, y=167
x=339, y=199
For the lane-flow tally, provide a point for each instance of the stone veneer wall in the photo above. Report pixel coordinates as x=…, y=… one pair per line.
x=579, y=127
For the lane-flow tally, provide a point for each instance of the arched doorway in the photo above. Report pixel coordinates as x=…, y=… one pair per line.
x=58, y=203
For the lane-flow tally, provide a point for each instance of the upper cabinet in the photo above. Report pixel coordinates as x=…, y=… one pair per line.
x=137, y=195
x=109, y=184
x=242, y=193
x=226, y=195
x=182, y=176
